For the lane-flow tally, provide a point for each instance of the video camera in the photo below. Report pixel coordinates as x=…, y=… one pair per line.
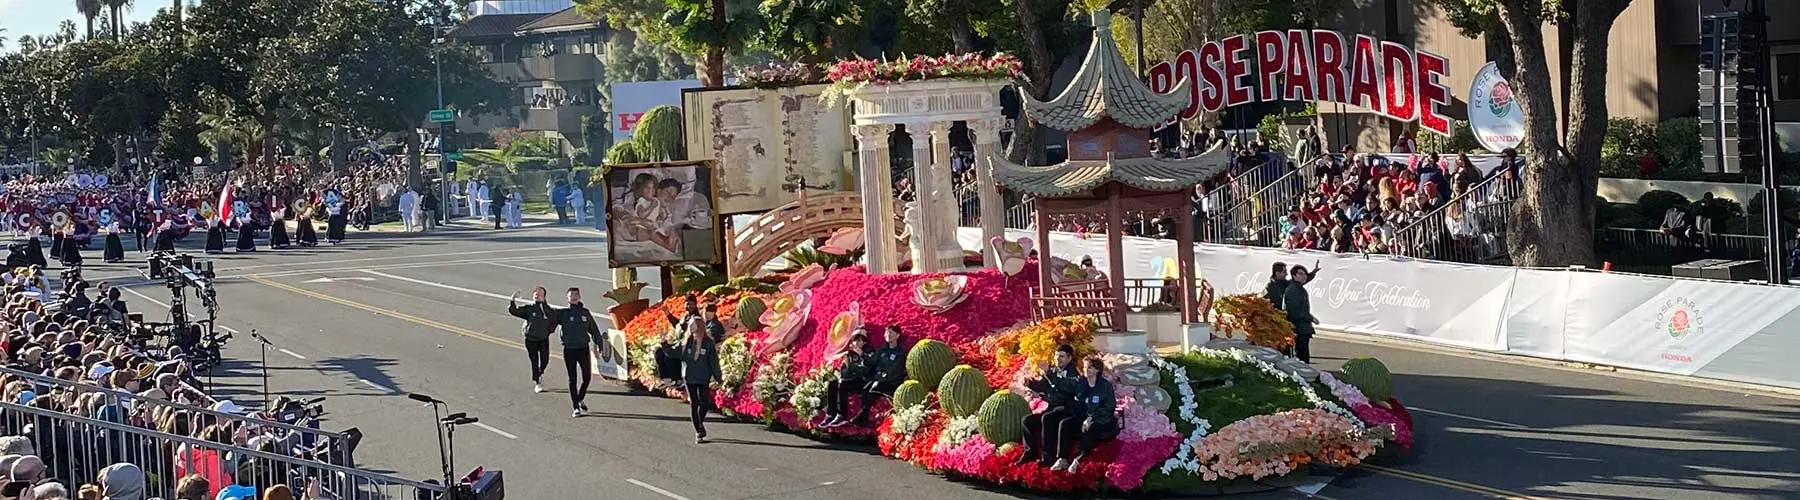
x=199, y=340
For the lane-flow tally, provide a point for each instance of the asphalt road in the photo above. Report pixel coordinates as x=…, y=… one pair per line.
x=385, y=314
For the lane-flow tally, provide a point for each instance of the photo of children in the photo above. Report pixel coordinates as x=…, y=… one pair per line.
x=661, y=213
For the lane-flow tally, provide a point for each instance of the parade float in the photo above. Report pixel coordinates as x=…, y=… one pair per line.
x=1204, y=415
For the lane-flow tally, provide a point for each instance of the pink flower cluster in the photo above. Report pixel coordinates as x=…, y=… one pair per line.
x=1274, y=445
x=1135, y=459
x=967, y=458
x=993, y=303
x=859, y=70
x=1372, y=414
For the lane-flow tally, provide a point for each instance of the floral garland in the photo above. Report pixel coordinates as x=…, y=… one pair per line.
x=772, y=382
x=1306, y=389
x=735, y=360
x=851, y=74
x=1375, y=416
x=809, y=397
x=779, y=74
x=1184, y=458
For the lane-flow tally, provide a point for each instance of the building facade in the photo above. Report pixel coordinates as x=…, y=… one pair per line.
x=552, y=61
x=1653, y=63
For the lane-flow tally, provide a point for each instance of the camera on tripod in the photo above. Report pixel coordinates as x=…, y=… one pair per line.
x=198, y=339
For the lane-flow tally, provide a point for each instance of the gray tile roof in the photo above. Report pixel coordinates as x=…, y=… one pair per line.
x=492, y=26
x=1107, y=87
x=1080, y=176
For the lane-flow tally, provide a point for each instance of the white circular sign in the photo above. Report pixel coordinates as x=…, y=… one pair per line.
x=1494, y=113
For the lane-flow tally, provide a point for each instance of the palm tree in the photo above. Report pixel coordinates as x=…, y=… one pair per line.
x=2, y=38
x=90, y=9
x=118, y=8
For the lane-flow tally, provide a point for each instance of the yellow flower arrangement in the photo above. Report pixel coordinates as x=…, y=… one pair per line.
x=1259, y=320
x=1037, y=342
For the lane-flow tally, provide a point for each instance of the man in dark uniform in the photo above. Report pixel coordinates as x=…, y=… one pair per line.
x=540, y=319
x=579, y=332
x=1299, y=311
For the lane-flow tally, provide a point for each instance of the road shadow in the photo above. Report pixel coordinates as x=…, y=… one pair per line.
x=367, y=368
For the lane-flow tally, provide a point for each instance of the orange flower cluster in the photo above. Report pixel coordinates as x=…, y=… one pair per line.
x=1261, y=322
x=654, y=320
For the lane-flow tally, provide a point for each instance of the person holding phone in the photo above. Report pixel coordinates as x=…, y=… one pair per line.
x=1056, y=384
x=1299, y=311
x=853, y=378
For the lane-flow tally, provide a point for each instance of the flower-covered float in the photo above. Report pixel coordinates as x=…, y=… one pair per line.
x=1221, y=417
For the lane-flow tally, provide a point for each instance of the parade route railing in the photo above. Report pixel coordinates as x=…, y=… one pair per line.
x=294, y=436
x=76, y=448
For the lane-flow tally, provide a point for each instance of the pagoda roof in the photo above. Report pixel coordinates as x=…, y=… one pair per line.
x=1082, y=176
x=1107, y=87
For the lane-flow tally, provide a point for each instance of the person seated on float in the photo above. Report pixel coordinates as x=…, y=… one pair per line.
x=1099, y=421
x=1056, y=384
x=853, y=379
x=886, y=370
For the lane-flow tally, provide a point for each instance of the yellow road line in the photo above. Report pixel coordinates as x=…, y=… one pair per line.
x=1448, y=483
x=381, y=311
x=464, y=332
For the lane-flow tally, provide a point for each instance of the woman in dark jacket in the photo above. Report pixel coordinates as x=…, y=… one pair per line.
x=1099, y=422
x=1056, y=385
x=853, y=377
x=1277, y=287
x=700, y=361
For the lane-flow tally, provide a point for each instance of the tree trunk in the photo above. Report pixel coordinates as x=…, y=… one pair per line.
x=339, y=149
x=118, y=147
x=1040, y=68
x=1553, y=224
x=713, y=73
x=956, y=20
x=415, y=177
x=118, y=26
x=90, y=28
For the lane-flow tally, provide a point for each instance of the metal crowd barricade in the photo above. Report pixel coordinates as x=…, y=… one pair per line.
x=76, y=448
x=341, y=452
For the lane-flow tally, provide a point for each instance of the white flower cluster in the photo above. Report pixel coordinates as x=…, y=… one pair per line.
x=957, y=431
x=735, y=359
x=809, y=396
x=908, y=420
x=1184, y=458
x=772, y=381
x=1306, y=388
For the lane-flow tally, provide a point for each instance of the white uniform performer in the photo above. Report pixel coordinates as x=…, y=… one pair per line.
x=515, y=210
x=469, y=208
x=409, y=206
x=482, y=201
x=578, y=203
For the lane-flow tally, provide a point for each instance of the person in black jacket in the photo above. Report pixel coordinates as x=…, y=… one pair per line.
x=1099, y=419
x=1056, y=385
x=700, y=363
x=1277, y=287
x=853, y=378
x=540, y=319
x=1299, y=312
x=579, y=332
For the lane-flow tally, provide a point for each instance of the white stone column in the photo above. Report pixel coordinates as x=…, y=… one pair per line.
x=926, y=223
x=993, y=209
x=876, y=184
x=947, y=200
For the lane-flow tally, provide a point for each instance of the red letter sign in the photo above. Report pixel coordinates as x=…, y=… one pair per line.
x=1365, y=86
x=1187, y=65
x=1328, y=56
x=628, y=121
x=1397, y=82
x=1236, y=68
x=1212, y=59
x=1270, y=53
x=1299, y=73
x=1432, y=93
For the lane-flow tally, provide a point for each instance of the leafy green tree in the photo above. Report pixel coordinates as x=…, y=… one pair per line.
x=1553, y=224
x=707, y=29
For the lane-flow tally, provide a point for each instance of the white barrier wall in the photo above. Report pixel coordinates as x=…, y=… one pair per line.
x=1730, y=331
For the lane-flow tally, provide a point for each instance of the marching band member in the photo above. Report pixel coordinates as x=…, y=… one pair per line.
x=482, y=201
x=515, y=206
x=246, y=240
x=115, y=248
x=278, y=236
x=71, y=256
x=336, y=218
x=304, y=234
x=215, y=236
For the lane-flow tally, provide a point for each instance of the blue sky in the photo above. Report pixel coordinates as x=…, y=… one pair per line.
x=40, y=17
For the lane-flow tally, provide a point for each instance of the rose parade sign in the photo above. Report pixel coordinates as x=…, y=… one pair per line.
x=1394, y=80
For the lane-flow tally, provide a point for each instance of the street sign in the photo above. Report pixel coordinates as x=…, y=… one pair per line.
x=441, y=116
x=454, y=156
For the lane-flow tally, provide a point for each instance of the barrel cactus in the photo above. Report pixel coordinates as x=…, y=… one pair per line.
x=928, y=361
x=749, y=312
x=720, y=290
x=963, y=390
x=1002, y=417
x=910, y=393
x=1369, y=376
